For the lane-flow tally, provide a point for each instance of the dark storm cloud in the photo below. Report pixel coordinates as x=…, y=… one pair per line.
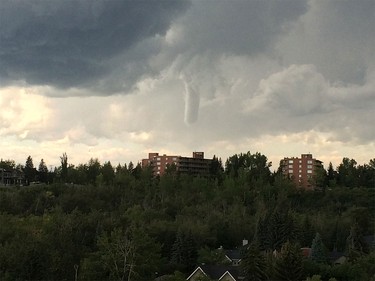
x=70, y=43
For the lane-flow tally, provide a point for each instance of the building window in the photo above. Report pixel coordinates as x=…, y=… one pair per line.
x=309, y=166
x=290, y=161
x=290, y=171
x=158, y=168
x=290, y=166
x=300, y=161
x=309, y=161
x=300, y=176
x=309, y=171
x=158, y=158
x=300, y=171
x=158, y=163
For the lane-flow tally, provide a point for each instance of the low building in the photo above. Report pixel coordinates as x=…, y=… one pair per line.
x=215, y=272
x=196, y=165
x=11, y=177
x=301, y=170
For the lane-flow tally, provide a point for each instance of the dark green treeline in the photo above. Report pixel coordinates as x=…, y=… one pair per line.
x=96, y=222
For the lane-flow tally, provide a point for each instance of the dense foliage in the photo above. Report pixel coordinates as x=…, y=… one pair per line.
x=96, y=222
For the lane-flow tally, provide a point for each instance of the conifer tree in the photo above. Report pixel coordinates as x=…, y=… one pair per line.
x=289, y=263
x=355, y=245
x=318, y=250
x=253, y=264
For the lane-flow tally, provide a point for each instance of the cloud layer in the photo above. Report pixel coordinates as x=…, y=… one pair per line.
x=282, y=77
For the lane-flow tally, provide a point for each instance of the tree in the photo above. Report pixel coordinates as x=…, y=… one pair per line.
x=318, y=250
x=208, y=256
x=256, y=166
x=319, y=179
x=216, y=168
x=331, y=175
x=289, y=263
x=43, y=171
x=253, y=264
x=108, y=173
x=29, y=170
x=184, y=252
x=129, y=254
x=64, y=167
x=7, y=164
x=356, y=246
x=93, y=170
x=347, y=172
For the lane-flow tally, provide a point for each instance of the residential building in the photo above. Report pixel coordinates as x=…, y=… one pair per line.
x=196, y=165
x=215, y=272
x=11, y=177
x=301, y=170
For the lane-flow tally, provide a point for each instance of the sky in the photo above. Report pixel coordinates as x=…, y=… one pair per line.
x=115, y=80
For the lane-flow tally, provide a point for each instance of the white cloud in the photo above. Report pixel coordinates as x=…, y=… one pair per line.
x=23, y=113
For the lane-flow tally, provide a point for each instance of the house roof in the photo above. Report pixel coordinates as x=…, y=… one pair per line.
x=217, y=272
x=233, y=254
x=370, y=240
x=334, y=255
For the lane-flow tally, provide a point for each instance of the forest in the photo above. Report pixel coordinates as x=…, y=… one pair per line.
x=98, y=222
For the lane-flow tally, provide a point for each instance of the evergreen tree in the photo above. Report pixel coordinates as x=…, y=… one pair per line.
x=356, y=246
x=64, y=167
x=331, y=175
x=43, y=171
x=184, y=251
x=253, y=264
x=29, y=170
x=318, y=250
x=289, y=263
x=108, y=173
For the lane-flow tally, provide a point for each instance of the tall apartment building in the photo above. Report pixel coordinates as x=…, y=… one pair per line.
x=196, y=165
x=301, y=170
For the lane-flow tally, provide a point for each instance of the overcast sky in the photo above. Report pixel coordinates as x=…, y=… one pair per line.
x=115, y=80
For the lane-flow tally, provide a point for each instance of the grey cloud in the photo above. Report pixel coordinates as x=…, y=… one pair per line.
x=238, y=27
x=338, y=37
x=70, y=43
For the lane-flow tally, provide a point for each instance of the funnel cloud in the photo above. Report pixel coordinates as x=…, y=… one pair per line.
x=192, y=100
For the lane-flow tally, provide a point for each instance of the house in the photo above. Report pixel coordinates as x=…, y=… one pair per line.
x=215, y=272
x=11, y=177
x=336, y=257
